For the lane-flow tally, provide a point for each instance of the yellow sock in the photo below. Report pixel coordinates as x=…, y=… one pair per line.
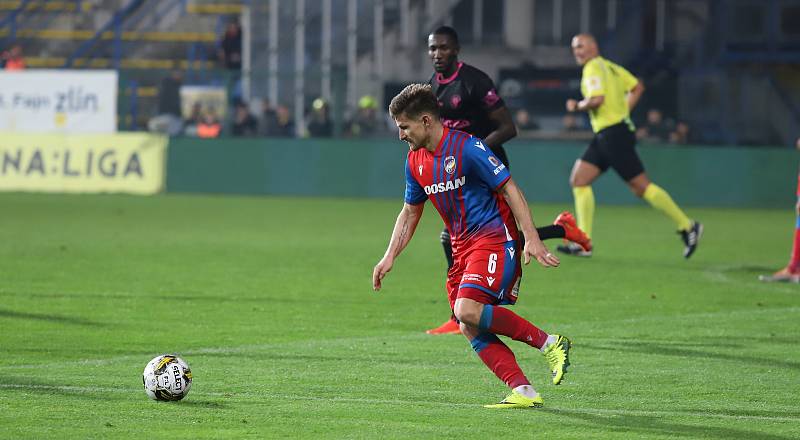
x=660, y=199
x=584, y=207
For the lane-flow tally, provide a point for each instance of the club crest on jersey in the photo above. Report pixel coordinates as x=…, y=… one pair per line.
x=491, y=98
x=455, y=101
x=450, y=164
x=493, y=161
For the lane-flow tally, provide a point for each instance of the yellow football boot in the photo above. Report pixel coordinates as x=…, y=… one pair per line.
x=557, y=355
x=517, y=400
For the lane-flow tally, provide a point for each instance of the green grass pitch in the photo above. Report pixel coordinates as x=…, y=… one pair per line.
x=270, y=302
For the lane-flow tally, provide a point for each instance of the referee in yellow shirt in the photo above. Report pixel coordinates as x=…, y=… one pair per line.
x=609, y=94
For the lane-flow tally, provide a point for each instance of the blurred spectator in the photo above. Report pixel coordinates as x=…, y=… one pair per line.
x=319, y=121
x=681, y=134
x=524, y=121
x=230, y=46
x=169, y=119
x=195, y=117
x=655, y=129
x=209, y=126
x=244, y=123
x=169, y=94
x=284, y=126
x=365, y=123
x=570, y=123
x=13, y=59
x=269, y=120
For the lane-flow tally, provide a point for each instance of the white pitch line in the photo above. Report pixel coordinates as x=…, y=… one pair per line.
x=357, y=400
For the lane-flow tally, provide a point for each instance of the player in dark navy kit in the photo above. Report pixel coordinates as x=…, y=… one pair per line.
x=481, y=206
x=468, y=101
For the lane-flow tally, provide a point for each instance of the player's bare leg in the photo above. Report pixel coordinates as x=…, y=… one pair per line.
x=790, y=273
x=785, y=275
x=639, y=184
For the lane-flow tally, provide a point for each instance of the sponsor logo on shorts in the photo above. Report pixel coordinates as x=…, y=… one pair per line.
x=472, y=277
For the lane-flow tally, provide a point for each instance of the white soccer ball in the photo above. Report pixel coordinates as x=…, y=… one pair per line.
x=167, y=377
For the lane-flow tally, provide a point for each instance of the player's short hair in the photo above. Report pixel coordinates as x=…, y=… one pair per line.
x=414, y=100
x=450, y=32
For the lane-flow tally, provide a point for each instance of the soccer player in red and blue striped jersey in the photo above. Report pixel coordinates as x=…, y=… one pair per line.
x=468, y=101
x=481, y=206
x=790, y=273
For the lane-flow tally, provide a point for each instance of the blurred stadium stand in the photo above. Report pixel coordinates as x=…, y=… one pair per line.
x=729, y=68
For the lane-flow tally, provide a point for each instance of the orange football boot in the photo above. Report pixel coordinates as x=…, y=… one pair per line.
x=573, y=233
x=448, y=328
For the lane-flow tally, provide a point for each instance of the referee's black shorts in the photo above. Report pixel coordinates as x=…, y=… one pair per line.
x=615, y=147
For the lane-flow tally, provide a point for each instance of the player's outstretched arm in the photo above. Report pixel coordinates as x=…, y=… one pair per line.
x=634, y=95
x=533, y=245
x=404, y=228
x=586, y=104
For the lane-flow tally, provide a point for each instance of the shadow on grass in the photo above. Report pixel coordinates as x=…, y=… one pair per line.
x=211, y=404
x=640, y=424
x=277, y=356
x=49, y=318
x=78, y=354
x=705, y=342
x=747, y=269
x=744, y=413
x=672, y=350
x=30, y=385
x=749, y=340
x=234, y=297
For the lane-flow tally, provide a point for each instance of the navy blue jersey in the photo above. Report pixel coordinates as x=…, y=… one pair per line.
x=461, y=178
